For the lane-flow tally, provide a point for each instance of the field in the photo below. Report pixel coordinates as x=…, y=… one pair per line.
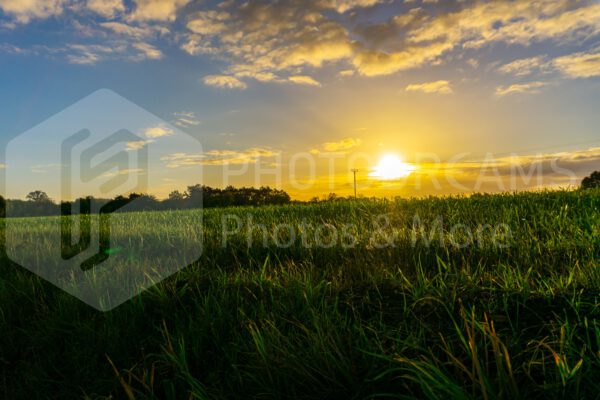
x=488, y=296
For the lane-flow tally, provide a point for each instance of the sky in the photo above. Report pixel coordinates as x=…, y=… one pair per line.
x=454, y=96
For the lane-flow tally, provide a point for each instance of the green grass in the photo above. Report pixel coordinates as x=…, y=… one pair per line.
x=518, y=317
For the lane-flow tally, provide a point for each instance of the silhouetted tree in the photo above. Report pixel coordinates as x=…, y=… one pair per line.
x=592, y=181
x=197, y=196
x=38, y=196
x=2, y=207
x=175, y=201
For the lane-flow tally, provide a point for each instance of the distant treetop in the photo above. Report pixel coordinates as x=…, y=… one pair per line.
x=592, y=181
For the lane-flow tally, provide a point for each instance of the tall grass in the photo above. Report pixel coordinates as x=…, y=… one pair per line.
x=406, y=320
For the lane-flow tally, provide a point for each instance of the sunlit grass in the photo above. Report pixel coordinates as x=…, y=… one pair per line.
x=407, y=320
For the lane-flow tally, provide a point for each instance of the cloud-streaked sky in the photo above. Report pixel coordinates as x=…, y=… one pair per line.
x=258, y=82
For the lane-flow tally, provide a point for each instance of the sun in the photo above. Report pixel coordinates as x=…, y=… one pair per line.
x=392, y=167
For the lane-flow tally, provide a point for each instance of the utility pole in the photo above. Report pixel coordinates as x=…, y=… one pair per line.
x=354, y=171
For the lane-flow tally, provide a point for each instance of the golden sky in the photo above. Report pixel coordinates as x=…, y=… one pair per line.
x=457, y=96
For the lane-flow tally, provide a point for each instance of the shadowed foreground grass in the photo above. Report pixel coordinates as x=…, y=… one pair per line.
x=490, y=297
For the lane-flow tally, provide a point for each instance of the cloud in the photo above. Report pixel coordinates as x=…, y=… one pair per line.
x=219, y=157
x=520, y=88
x=268, y=41
x=526, y=66
x=517, y=22
x=12, y=49
x=158, y=131
x=303, y=80
x=24, y=11
x=156, y=10
x=442, y=87
x=186, y=119
x=44, y=168
x=289, y=41
x=209, y=22
x=579, y=65
x=87, y=54
x=106, y=8
x=423, y=39
x=341, y=146
x=121, y=28
x=146, y=51
x=224, y=81
x=570, y=166
x=137, y=145
x=127, y=171
x=376, y=62
x=343, y=6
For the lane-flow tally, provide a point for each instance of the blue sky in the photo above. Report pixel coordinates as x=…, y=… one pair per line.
x=352, y=76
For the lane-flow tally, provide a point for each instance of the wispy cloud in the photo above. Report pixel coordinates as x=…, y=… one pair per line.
x=520, y=88
x=138, y=32
x=106, y=8
x=442, y=87
x=304, y=80
x=224, y=81
x=579, y=65
x=146, y=51
x=44, y=168
x=87, y=54
x=90, y=54
x=219, y=157
x=341, y=146
x=126, y=171
x=185, y=119
x=526, y=66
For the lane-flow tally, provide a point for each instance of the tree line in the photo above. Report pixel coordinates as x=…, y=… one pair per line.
x=38, y=203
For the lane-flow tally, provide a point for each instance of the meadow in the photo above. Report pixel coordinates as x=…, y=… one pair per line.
x=486, y=296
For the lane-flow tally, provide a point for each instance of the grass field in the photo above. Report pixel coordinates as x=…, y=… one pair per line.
x=491, y=296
